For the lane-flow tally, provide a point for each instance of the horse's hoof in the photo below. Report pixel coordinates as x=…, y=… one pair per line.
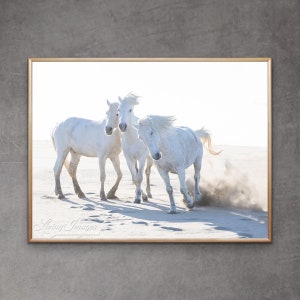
x=81, y=196
x=103, y=198
x=111, y=195
x=138, y=201
x=172, y=212
x=145, y=198
x=190, y=205
x=149, y=195
x=61, y=196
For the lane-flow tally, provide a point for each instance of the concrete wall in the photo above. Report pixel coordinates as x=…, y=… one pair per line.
x=151, y=28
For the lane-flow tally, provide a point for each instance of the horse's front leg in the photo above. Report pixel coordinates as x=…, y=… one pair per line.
x=140, y=171
x=102, y=161
x=165, y=176
x=136, y=178
x=183, y=189
x=147, y=173
x=116, y=164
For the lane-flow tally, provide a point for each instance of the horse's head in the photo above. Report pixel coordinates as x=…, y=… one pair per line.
x=150, y=137
x=126, y=107
x=112, y=119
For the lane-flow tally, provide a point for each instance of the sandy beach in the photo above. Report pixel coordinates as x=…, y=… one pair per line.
x=233, y=184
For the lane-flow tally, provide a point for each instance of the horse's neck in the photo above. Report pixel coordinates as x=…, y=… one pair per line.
x=135, y=119
x=131, y=135
x=164, y=138
x=117, y=133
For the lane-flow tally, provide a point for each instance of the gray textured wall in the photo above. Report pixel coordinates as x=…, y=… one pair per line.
x=151, y=28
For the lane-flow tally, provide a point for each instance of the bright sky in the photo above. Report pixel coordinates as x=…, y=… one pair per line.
x=227, y=98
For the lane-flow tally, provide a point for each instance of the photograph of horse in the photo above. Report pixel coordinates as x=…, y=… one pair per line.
x=79, y=137
x=178, y=159
x=174, y=149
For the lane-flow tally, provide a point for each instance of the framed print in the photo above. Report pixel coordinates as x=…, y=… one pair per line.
x=149, y=150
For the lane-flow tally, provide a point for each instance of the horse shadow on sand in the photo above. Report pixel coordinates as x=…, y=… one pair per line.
x=253, y=224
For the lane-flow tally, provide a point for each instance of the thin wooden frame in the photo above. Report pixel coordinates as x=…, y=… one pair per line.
x=150, y=240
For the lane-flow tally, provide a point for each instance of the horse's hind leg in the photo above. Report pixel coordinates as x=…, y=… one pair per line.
x=147, y=172
x=72, y=169
x=61, y=156
x=183, y=189
x=197, y=167
x=116, y=164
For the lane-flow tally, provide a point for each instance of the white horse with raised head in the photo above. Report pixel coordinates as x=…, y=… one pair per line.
x=135, y=151
x=174, y=149
x=92, y=139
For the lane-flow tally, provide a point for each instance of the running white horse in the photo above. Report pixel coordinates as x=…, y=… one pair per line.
x=174, y=149
x=135, y=151
x=92, y=139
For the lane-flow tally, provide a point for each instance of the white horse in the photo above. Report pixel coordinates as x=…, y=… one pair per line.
x=174, y=149
x=92, y=139
x=135, y=151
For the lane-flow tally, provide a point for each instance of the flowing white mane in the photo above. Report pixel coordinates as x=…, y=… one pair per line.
x=158, y=123
x=131, y=99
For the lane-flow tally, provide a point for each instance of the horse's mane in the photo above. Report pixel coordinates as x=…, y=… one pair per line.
x=114, y=104
x=158, y=123
x=131, y=99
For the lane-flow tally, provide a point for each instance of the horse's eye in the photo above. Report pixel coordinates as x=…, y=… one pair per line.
x=117, y=115
x=151, y=133
x=130, y=110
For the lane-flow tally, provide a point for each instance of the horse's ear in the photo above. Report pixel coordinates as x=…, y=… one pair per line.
x=108, y=103
x=120, y=99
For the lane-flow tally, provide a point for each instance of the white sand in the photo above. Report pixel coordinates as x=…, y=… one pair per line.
x=234, y=185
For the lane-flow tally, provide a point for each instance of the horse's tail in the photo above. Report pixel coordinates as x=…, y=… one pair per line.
x=205, y=137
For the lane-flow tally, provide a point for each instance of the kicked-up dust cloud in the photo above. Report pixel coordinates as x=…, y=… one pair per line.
x=240, y=182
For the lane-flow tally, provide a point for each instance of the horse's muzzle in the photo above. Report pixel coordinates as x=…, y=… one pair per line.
x=123, y=127
x=156, y=156
x=108, y=130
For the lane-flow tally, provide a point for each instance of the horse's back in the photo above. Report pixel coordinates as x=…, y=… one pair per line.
x=61, y=132
x=188, y=135
x=67, y=126
x=83, y=136
x=190, y=142
x=182, y=146
x=83, y=128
